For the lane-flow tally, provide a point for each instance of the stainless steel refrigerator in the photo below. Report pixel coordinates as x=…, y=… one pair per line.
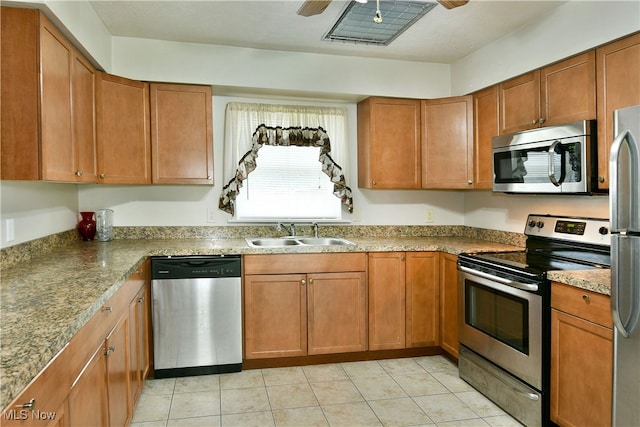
x=624, y=196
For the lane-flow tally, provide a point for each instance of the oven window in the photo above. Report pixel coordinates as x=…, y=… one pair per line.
x=500, y=315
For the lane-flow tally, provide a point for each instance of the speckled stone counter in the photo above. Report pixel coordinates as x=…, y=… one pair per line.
x=592, y=280
x=45, y=300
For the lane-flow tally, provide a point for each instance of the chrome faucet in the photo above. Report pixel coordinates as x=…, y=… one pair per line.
x=291, y=229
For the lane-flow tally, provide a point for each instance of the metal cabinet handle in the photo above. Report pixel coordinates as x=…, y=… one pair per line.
x=107, y=308
x=311, y=281
x=78, y=173
x=374, y=182
x=303, y=282
x=141, y=300
x=586, y=298
x=102, y=176
x=110, y=350
x=29, y=405
x=534, y=121
x=542, y=120
x=470, y=182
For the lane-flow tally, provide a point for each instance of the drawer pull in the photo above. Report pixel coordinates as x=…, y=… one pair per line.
x=141, y=300
x=586, y=298
x=110, y=350
x=107, y=308
x=29, y=405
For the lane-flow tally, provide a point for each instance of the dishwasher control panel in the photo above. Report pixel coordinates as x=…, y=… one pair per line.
x=196, y=266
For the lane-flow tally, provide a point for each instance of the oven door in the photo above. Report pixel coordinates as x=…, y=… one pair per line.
x=554, y=166
x=502, y=323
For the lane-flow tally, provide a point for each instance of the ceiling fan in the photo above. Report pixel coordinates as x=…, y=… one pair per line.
x=316, y=7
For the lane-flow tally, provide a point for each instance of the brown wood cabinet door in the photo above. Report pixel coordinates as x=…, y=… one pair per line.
x=618, y=86
x=449, y=303
x=389, y=143
x=181, y=134
x=83, y=86
x=138, y=338
x=485, y=125
x=56, y=56
x=447, y=142
x=387, y=300
x=20, y=84
x=275, y=315
x=581, y=371
x=88, y=400
x=520, y=103
x=124, y=147
x=117, y=350
x=423, y=299
x=337, y=317
x=568, y=90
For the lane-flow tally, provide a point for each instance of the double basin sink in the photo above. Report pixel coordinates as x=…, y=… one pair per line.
x=279, y=242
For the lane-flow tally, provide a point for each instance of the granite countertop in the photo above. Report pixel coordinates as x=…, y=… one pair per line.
x=46, y=300
x=592, y=280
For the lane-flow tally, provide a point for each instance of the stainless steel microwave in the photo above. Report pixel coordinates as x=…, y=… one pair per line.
x=552, y=160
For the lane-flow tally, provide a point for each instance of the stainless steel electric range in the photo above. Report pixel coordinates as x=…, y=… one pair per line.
x=504, y=310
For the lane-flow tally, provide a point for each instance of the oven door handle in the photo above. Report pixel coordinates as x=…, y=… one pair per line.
x=518, y=285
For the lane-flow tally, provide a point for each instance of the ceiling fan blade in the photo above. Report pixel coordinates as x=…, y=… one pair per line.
x=450, y=4
x=313, y=7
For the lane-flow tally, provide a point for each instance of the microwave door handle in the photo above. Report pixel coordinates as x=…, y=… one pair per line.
x=552, y=168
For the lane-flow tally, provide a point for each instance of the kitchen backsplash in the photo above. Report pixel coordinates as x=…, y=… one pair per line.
x=26, y=251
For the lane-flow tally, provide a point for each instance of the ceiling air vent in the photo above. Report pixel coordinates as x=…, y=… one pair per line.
x=356, y=24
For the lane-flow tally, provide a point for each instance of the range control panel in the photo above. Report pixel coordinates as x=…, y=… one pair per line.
x=585, y=230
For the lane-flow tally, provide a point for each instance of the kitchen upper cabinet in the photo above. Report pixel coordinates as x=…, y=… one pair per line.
x=389, y=143
x=449, y=303
x=486, y=110
x=304, y=304
x=48, y=98
x=560, y=93
x=447, y=143
x=618, y=86
x=581, y=357
x=403, y=300
x=181, y=134
x=123, y=123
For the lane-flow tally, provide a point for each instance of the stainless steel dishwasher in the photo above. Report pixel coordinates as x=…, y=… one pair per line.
x=196, y=315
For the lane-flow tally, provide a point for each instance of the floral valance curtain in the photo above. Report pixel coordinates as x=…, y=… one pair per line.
x=301, y=137
x=249, y=125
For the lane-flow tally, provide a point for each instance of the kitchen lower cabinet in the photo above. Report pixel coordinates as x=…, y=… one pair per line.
x=118, y=346
x=304, y=304
x=88, y=400
x=449, y=303
x=581, y=357
x=403, y=300
x=618, y=86
x=139, y=335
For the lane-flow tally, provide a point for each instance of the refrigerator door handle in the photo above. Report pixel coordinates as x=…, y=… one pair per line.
x=625, y=214
x=624, y=328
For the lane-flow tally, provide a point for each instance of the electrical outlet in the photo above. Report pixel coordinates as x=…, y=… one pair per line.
x=429, y=218
x=211, y=215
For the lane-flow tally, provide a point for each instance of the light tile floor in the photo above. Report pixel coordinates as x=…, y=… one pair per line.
x=420, y=391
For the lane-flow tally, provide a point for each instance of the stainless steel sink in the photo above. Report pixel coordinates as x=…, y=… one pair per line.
x=273, y=242
x=324, y=241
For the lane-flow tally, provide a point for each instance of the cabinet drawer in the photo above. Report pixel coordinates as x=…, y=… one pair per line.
x=47, y=393
x=587, y=305
x=304, y=263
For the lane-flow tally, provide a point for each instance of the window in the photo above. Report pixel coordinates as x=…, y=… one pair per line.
x=288, y=182
x=281, y=163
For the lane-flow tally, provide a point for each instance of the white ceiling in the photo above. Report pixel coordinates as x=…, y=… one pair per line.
x=442, y=36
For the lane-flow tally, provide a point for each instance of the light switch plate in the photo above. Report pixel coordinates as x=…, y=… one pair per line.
x=9, y=230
